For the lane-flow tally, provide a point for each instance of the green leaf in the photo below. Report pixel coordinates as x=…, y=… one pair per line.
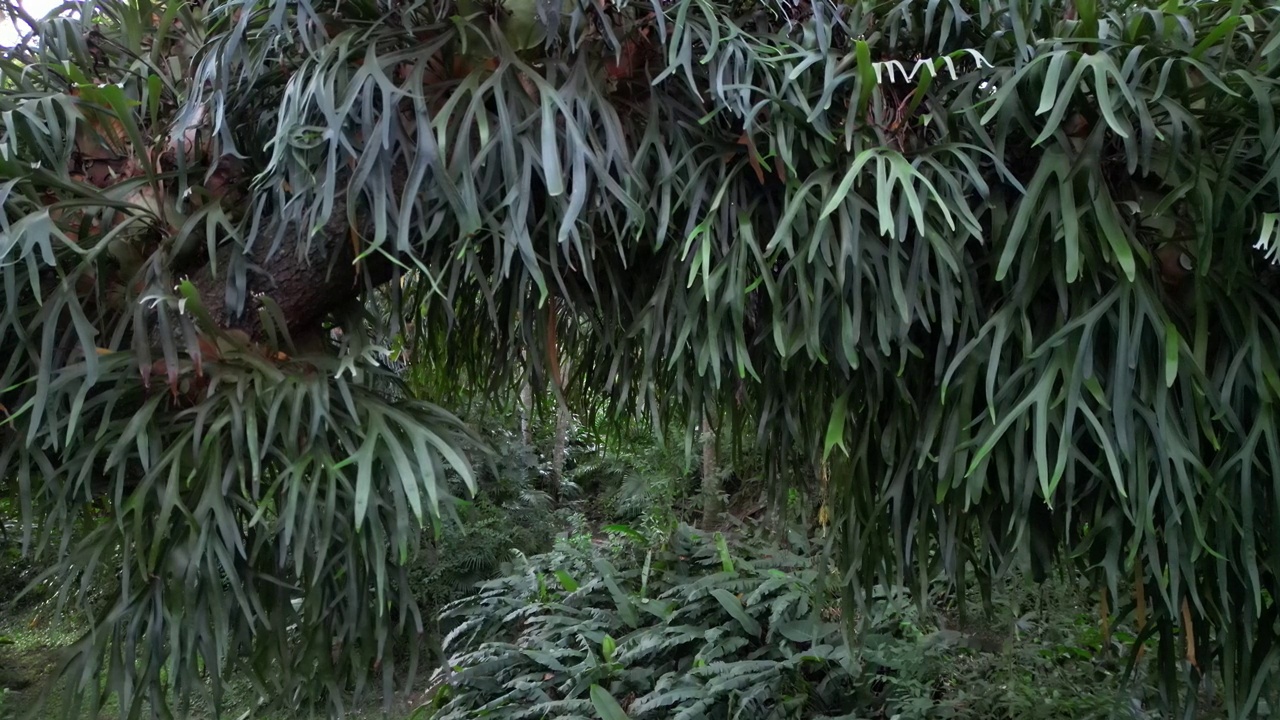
x=627, y=531
x=626, y=609
x=1087, y=11
x=733, y=606
x=1112, y=230
x=866, y=74
x=836, y=427
x=604, y=703
x=1215, y=36
x=553, y=173
x=837, y=197
x=566, y=581
x=1028, y=206
x=1172, y=340
x=722, y=549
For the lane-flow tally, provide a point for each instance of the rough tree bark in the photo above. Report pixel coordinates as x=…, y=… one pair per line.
x=526, y=412
x=557, y=377
x=711, y=506
x=558, y=453
x=305, y=285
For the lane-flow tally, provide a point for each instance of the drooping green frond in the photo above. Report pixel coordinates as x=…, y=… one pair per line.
x=240, y=509
x=994, y=260
x=260, y=519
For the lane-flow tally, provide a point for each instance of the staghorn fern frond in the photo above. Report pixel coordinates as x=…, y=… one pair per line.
x=1014, y=305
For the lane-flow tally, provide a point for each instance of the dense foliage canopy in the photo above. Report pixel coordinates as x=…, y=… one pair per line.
x=993, y=261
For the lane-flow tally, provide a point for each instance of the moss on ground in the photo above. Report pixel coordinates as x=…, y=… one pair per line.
x=32, y=643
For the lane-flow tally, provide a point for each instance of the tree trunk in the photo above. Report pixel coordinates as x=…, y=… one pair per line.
x=557, y=379
x=526, y=412
x=711, y=508
x=558, y=454
x=306, y=286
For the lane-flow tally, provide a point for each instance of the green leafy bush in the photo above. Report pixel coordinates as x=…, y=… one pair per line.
x=691, y=630
x=508, y=515
x=641, y=482
x=709, y=627
x=476, y=549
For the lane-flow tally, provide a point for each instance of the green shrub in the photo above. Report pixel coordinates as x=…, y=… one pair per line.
x=707, y=628
x=475, y=550
x=690, y=629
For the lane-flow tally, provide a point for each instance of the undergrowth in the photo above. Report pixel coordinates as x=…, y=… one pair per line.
x=654, y=619
x=712, y=627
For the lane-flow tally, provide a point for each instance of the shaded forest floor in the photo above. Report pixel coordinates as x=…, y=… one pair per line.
x=32, y=643
x=27, y=660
